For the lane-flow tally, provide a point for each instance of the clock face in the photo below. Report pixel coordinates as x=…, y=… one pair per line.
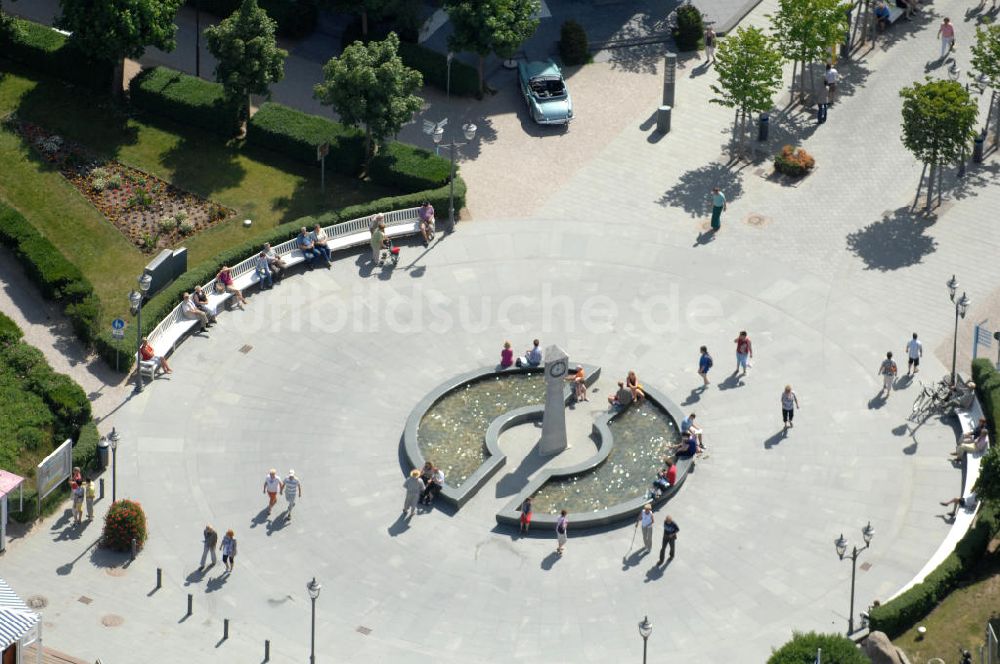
x=557, y=369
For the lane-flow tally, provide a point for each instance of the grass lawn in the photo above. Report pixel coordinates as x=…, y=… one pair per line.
x=960, y=620
x=259, y=185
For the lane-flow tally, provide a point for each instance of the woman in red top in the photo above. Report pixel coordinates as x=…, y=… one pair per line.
x=147, y=353
x=226, y=279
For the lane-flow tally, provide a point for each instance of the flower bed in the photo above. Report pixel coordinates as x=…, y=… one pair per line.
x=794, y=162
x=150, y=212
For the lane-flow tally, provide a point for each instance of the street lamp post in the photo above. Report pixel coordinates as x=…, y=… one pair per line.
x=447, y=86
x=197, y=38
x=469, y=131
x=961, y=306
x=313, y=587
x=841, y=543
x=645, y=629
x=113, y=439
x=135, y=302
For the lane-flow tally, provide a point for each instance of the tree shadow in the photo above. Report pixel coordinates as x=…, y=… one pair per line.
x=693, y=189
x=902, y=30
x=201, y=164
x=977, y=176
x=896, y=241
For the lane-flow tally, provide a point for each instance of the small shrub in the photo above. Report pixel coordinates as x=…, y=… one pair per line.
x=186, y=228
x=115, y=181
x=9, y=331
x=124, y=522
x=99, y=172
x=167, y=224
x=801, y=649
x=30, y=439
x=148, y=241
x=98, y=184
x=573, y=46
x=690, y=28
x=85, y=448
x=794, y=162
x=140, y=198
x=180, y=216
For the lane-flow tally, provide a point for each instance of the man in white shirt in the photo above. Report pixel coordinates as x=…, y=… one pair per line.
x=914, y=351
x=293, y=490
x=830, y=79
x=646, y=521
x=190, y=310
x=272, y=485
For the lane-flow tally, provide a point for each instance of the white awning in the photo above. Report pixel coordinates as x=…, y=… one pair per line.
x=16, y=619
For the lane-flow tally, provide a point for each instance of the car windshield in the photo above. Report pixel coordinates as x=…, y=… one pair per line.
x=548, y=87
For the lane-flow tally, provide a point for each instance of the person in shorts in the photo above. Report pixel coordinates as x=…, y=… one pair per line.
x=789, y=402
x=704, y=364
x=272, y=485
x=744, y=352
x=293, y=491
x=914, y=351
x=888, y=372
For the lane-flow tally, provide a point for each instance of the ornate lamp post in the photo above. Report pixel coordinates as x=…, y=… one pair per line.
x=469, y=131
x=645, y=629
x=841, y=543
x=313, y=587
x=135, y=303
x=113, y=438
x=961, y=306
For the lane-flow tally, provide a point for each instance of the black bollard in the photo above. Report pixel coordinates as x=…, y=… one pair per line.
x=102, y=488
x=159, y=578
x=225, y=629
x=190, y=603
x=977, y=148
x=764, y=125
x=135, y=547
x=267, y=651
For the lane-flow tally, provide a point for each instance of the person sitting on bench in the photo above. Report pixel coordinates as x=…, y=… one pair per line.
x=966, y=503
x=882, y=15
x=307, y=247
x=147, y=354
x=978, y=440
x=426, y=215
x=622, y=398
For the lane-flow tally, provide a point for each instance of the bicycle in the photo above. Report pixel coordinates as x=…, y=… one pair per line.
x=934, y=398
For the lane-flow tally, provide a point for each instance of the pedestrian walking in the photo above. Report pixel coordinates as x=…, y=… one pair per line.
x=209, y=539
x=710, y=44
x=646, y=521
x=293, y=491
x=789, y=403
x=414, y=486
x=91, y=495
x=526, y=512
x=228, y=548
x=946, y=33
x=822, y=104
x=914, y=351
x=704, y=364
x=670, y=530
x=830, y=79
x=718, y=206
x=744, y=352
x=78, y=496
x=272, y=485
x=888, y=372
x=562, y=525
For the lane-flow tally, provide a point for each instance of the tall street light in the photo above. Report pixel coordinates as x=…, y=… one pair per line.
x=113, y=439
x=867, y=533
x=313, y=587
x=135, y=302
x=645, y=629
x=961, y=306
x=469, y=130
x=197, y=38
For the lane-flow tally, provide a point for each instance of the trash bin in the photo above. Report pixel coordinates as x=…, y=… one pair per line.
x=765, y=122
x=977, y=149
x=102, y=453
x=663, y=119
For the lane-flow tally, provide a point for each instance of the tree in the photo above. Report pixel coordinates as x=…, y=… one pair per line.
x=939, y=118
x=804, y=31
x=112, y=30
x=749, y=71
x=803, y=647
x=369, y=86
x=491, y=26
x=249, y=59
x=365, y=8
x=986, y=64
x=988, y=485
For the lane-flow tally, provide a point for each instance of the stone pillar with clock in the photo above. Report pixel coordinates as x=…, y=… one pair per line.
x=553, y=439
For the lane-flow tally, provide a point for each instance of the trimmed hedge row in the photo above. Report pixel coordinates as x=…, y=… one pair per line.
x=56, y=277
x=164, y=301
x=296, y=134
x=185, y=99
x=987, y=381
x=897, y=616
x=295, y=18
x=434, y=67
x=40, y=47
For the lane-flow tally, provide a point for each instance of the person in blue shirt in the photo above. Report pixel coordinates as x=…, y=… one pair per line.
x=704, y=364
x=688, y=426
x=307, y=247
x=882, y=14
x=532, y=357
x=688, y=446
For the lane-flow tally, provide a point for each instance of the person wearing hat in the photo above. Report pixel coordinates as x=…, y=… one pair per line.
x=646, y=521
x=293, y=491
x=272, y=485
x=414, y=488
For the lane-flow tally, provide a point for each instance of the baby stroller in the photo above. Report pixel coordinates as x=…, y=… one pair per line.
x=388, y=253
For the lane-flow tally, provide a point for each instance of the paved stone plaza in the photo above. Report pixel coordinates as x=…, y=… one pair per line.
x=591, y=239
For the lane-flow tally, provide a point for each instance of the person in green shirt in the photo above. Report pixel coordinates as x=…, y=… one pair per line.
x=378, y=239
x=718, y=205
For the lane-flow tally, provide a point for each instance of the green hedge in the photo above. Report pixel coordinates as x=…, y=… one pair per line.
x=296, y=134
x=10, y=333
x=434, y=67
x=42, y=48
x=987, y=381
x=802, y=649
x=295, y=18
x=897, y=616
x=185, y=99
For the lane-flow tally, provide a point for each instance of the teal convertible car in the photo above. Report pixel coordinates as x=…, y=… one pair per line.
x=545, y=92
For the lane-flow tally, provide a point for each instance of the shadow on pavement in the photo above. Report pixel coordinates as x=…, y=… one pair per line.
x=776, y=439
x=399, y=526
x=67, y=568
x=895, y=241
x=694, y=188
x=549, y=561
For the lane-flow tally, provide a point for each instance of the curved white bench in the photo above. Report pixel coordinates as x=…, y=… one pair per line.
x=347, y=235
x=967, y=419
